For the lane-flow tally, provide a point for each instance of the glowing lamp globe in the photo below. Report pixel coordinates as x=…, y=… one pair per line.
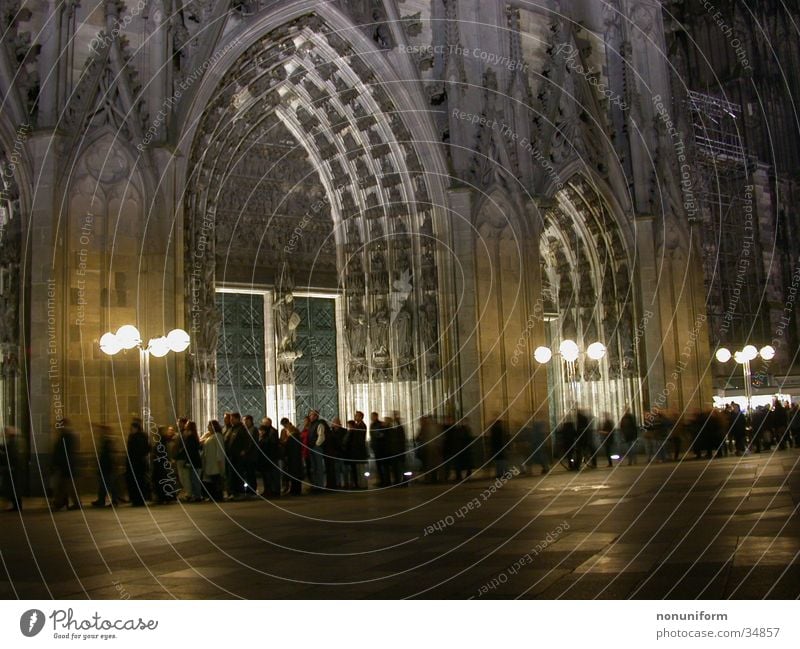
x=739, y=357
x=723, y=354
x=109, y=344
x=749, y=352
x=569, y=350
x=596, y=351
x=542, y=354
x=767, y=352
x=178, y=340
x=128, y=336
x=159, y=347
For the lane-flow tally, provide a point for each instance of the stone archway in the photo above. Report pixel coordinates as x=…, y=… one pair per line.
x=588, y=295
x=347, y=137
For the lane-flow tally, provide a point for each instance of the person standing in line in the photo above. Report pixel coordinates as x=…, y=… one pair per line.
x=356, y=450
x=334, y=450
x=396, y=435
x=238, y=452
x=294, y=456
x=317, y=439
x=194, y=463
x=738, y=429
x=106, y=470
x=65, y=468
x=429, y=448
x=378, y=442
x=251, y=460
x=794, y=425
x=779, y=422
x=138, y=449
x=274, y=451
x=11, y=469
x=165, y=482
x=213, y=456
x=630, y=434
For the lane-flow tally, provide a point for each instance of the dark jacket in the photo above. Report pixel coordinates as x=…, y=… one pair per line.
x=240, y=442
x=189, y=451
x=65, y=453
x=356, y=445
x=138, y=451
x=498, y=441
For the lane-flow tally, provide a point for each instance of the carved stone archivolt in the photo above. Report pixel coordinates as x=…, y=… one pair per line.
x=301, y=127
x=10, y=251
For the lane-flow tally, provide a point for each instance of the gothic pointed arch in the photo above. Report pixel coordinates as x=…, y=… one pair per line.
x=306, y=103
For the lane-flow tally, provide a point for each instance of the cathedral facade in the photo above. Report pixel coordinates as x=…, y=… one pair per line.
x=384, y=205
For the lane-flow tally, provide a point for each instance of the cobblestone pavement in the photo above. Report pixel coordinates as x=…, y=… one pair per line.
x=728, y=528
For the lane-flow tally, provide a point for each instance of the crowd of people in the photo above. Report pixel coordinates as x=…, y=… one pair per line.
x=238, y=459
x=230, y=460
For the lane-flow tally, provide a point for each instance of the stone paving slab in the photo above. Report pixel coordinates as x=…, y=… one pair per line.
x=726, y=528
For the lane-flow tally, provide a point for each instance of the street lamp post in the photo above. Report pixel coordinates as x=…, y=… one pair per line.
x=128, y=337
x=743, y=357
x=570, y=352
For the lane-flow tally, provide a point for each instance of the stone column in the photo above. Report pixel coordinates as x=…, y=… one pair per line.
x=468, y=397
x=47, y=315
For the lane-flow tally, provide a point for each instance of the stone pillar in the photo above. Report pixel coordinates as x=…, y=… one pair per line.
x=47, y=316
x=463, y=237
x=647, y=329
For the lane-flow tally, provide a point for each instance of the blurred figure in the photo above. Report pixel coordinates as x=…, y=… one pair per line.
x=11, y=469
x=674, y=433
x=138, y=449
x=379, y=443
x=308, y=469
x=396, y=448
x=498, y=447
x=534, y=439
x=65, y=469
x=738, y=429
x=568, y=448
x=794, y=425
x=430, y=448
x=269, y=458
x=106, y=469
x=630, y=434
x=213, y=457
x=778, y=422
x=464, y=449
x=584, y=446
x=356, y=452
x=606, y=432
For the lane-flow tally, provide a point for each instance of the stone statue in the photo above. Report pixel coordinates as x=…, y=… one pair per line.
x=380, y=329
x=429, y=319
x=356, y=333
x=402, y=325
x=286, y=322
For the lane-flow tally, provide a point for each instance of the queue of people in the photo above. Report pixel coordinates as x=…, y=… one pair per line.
x=229, y=461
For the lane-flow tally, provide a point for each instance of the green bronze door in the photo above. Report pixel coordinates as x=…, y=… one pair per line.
x=240, y=355
x=315, y=384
